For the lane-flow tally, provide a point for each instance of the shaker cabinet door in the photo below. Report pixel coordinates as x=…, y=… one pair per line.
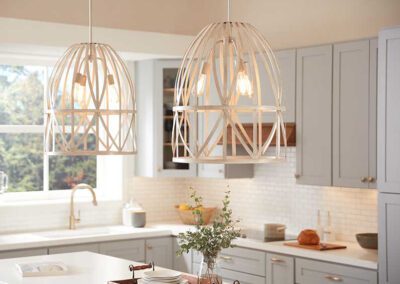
x=388, y=111
x=280, y=269
x=160, y=251
x=314, y=115
x=352, y=97
x=389, y=236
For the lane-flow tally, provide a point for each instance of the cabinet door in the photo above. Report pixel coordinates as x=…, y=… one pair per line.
x=160, y=251
x=182, y=263
x=351, y=114
x=74, y=248
x=314, y=115
x=388, y=111
x=280, y=269
x=131, y=250
x=23, y=253
x=316, y=272
x=389, y=236
x=165, y=74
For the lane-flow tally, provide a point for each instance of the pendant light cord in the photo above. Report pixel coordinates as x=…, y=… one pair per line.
x=229, y=10
x=90, y=21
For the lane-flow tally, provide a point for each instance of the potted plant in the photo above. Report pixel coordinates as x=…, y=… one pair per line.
x=209, y=240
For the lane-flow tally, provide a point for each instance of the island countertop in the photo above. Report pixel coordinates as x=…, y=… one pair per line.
x=83, y=268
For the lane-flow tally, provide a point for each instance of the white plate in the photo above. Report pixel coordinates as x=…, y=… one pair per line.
x=161, y=274
x=142, y=281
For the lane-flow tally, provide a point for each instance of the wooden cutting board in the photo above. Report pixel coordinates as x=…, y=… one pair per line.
x=321, y=246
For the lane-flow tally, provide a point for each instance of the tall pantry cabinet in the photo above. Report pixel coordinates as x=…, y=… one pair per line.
x=389, y=155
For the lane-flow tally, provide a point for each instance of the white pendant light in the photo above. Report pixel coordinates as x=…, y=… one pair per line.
x=91, y=106
x=221, y=99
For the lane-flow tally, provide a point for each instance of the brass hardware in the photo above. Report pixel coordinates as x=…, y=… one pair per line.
x=72, y=219
x=334, y=278
x=277, y=260
x=226, y=258
x=371, y=179
x=296, y=176
x=364, y=179
x=149, y=247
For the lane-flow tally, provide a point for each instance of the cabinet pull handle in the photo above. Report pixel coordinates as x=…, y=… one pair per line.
x=226, y=258
x=296, y=176
x=364, y=179
x=371, y=179
x=277, y=260
x=149, y=247
x=334, y=278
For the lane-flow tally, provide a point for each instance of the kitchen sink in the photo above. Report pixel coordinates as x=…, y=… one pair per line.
x=84, y=232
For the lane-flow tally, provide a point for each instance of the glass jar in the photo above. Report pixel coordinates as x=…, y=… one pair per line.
x=209, y=272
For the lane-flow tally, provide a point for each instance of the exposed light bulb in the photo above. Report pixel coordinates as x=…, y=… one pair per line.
x=201, y=83
x=243, y=84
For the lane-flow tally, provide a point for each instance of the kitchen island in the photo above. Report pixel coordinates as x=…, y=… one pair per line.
x=83, y=268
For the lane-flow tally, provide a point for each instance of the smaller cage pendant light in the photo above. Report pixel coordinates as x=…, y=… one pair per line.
x=220, y=94
x=91, y=102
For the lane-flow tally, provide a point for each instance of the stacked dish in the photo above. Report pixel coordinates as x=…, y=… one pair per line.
x=162, y=276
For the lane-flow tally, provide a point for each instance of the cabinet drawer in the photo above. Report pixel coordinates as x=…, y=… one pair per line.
x=131, y=250
x=315, y=272
x=23, y=253
x=280, y=269
x=228, y=276
x=75, y=248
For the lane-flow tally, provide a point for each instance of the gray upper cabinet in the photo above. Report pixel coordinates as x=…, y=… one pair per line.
x=388, y=111
x=354, y=114
x=389, y=236
x=314, y=115
x=280, y=269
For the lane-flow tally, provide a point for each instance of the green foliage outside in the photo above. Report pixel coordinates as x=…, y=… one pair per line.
x=21, y=154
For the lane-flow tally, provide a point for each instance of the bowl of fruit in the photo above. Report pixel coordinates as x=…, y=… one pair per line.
x=190, y=215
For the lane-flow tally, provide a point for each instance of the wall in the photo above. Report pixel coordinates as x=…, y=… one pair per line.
x=272, y=196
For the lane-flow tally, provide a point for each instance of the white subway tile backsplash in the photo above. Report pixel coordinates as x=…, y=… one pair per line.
x=271, y=196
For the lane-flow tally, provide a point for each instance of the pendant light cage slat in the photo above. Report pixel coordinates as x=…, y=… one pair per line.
x=91, y=106
x=229, y=78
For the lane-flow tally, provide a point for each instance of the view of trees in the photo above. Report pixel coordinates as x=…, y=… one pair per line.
x=21, y=154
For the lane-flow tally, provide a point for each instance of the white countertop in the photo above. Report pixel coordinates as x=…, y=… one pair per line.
x=83, y=268
x=353, y=255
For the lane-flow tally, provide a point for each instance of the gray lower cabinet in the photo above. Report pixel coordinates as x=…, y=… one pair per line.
x=389, y=237
x=354, y=114
x=23, y=253
x=243, y=260
x=130, y=249
x=388, y=111
x=159, y=250
x=183, y=262
x=93, y=247
x=314, y=115
x=316, y=272
x=280, y=269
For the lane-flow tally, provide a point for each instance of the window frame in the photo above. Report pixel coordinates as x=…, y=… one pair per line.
x=46, y=193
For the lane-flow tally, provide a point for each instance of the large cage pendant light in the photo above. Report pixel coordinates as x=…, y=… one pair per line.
x=227, y=86
x=91, y=102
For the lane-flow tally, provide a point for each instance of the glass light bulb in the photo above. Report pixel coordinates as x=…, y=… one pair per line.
x=243, y=84
x=201, y=84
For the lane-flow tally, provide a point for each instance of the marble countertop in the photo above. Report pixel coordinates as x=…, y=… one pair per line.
x=353, y=255
x=83, y=268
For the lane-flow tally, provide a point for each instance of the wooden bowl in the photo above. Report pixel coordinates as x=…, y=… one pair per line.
x=368, y=240
x=188, y=218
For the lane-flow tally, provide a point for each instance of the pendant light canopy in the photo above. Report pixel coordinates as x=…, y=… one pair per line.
x=91, y=106
x=227, y=86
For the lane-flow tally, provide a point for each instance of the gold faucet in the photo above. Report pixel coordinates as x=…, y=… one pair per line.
x=72, y=219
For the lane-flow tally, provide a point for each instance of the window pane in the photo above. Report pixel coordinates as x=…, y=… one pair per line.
x=21, y=94
x=21, y=158
x=67, y=171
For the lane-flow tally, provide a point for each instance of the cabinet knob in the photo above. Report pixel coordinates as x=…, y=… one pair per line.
x=159, y=169
x=334, y=278
x=371, y=179
x=277, y=260
x=364, y=179
x=296, y=176
x=149, y=247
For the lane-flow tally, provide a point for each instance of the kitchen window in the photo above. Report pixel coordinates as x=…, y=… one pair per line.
x=22, y=158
